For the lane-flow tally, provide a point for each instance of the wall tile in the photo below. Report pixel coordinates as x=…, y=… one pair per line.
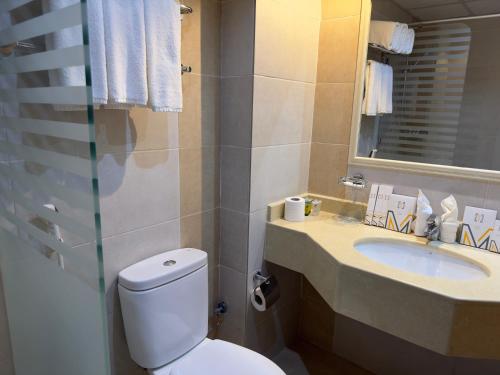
x=139, y=129
x=201, y=37
x=199, y=179
x=234, y=239
x=132, y=187
x=282, y=29
x=232, y=286
x=236, y=116
x=201, y=231
x=257, y=239
x=282, y=112
x=332, y=113
x=278, y=172
x=338, y=9
x=6, y=364
x=338, y=48
x=199, y=119
x=237, y=37
x=128, y=248
x=328, y=163
x=235, y=178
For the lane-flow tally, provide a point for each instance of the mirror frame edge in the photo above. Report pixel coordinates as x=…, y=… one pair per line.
x=395, y=165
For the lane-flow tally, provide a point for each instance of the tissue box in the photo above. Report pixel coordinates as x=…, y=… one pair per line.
x=478, y=227
x=371, y=205
x=400, y=212
x=381, y=205
x=495, y=238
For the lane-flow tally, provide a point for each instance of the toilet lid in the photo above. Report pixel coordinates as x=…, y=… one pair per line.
x=219, y=357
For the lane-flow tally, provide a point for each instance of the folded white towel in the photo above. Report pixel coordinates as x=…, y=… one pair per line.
x=163, y=54
x=378, y=89
x=125, y=42
x=393, y=36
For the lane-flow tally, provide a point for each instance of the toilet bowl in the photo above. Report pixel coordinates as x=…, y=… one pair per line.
x=164, y=302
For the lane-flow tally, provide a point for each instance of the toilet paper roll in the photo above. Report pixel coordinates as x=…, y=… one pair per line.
x=265, y=294
x=295, y=208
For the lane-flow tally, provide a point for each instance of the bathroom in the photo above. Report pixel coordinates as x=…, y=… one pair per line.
x=267, y=103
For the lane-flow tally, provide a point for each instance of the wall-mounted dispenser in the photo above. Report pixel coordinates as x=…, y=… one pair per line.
x=266, y=291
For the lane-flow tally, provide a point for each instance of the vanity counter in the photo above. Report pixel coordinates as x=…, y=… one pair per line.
x=451, y=317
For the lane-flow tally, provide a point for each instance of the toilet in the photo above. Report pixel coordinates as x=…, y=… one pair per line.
x=164, y=302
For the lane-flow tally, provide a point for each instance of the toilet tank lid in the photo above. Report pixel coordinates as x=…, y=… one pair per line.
x=162, y=269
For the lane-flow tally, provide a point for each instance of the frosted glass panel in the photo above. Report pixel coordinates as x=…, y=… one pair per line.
x=50, y=244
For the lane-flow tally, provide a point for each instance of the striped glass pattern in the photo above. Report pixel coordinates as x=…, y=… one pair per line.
x=427, y=96
x=50, y=240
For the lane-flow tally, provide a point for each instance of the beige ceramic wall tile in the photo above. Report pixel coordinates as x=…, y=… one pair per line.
x=277, y=172
x=232, y=285
x=286, y=42
x=235, y=178
x=201, y=231
x=237, y=37
x=338, y=45
x=332, y=113
x=282, y=111
x=340, y=8
x=138, y=190
x=139, y=129
x=236, y=116
x=201, y=38
x=328, y=163
x=199, y=120
x=199, y=179
x=234, y=239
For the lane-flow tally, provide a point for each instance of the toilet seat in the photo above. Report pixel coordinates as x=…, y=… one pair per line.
x=217, y=357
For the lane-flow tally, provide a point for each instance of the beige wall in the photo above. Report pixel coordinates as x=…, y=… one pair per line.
x=159, y=173
x=269, y=60
x=338, y=45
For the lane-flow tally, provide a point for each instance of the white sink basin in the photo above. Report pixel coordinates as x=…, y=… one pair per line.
x=420, y=259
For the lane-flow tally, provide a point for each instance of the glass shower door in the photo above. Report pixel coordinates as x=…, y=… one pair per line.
x=50, y=240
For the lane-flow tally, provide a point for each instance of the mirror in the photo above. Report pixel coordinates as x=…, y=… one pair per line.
x=429, y=92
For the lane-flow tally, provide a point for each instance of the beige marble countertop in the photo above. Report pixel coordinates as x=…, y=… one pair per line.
x=452, y=317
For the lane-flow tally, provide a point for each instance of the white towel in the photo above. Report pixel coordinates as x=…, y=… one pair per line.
x=125, y=42
x=69, y=37
x=385, y=100
x=163, y=54
x=378, y=89
x=393, y=36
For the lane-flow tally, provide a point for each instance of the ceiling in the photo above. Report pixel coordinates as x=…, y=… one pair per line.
x=427, y=10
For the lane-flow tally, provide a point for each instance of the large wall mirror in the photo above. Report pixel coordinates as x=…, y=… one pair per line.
x=428, y=87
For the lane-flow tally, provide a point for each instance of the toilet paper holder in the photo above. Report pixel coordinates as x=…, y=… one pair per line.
x=265, y=292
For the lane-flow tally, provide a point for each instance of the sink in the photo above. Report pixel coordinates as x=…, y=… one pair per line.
x=420, y=259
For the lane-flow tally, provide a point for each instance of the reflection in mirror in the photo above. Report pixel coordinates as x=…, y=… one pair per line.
x=433, y=97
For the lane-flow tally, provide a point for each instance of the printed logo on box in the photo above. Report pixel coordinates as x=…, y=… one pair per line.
x=478, y=227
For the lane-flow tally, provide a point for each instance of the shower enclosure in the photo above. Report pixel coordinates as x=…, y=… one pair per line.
x=50, y=242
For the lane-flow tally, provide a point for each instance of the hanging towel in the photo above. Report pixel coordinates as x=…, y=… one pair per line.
x=372, y=88
x=378, y=89
x=163, y=54
x=72, y=36
x=125, y=41
x=385, y=99
x=7, y=81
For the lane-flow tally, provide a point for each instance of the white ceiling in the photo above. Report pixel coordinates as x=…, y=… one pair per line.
x=426, y=10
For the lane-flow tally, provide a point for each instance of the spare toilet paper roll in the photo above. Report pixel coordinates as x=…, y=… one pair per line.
x=294, y=208
x=265, y=294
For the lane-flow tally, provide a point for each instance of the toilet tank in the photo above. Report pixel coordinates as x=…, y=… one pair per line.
x=164, y=301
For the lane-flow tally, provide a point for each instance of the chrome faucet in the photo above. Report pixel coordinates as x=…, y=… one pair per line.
x=433, y=227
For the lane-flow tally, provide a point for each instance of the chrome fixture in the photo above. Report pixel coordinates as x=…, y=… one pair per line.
x=356, y=182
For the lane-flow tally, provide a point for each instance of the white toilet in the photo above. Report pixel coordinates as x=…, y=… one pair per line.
x=164, y=303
